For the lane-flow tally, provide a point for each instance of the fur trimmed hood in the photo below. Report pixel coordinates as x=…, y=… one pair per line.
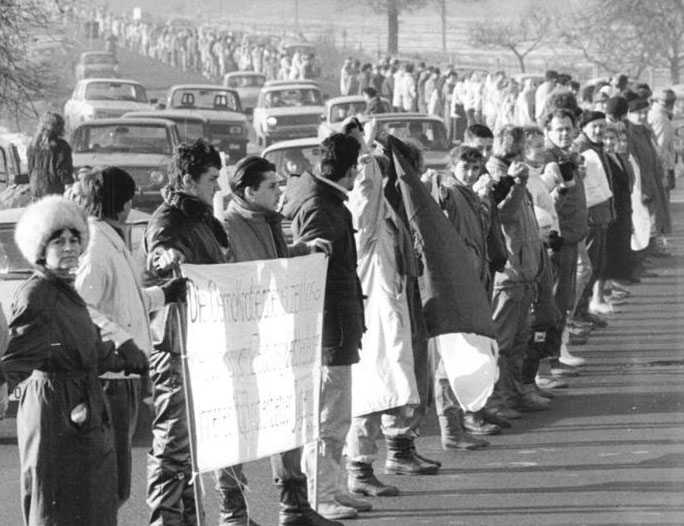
x=45, y=217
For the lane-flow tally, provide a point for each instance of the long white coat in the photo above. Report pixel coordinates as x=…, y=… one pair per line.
x=109, y=280
x=384, y=378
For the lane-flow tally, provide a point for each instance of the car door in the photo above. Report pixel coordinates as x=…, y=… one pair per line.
x=4, y=169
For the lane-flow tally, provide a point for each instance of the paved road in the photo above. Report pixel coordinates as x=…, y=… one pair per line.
x=609, y=453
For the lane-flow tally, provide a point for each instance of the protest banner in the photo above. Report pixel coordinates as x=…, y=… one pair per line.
x=253, y=356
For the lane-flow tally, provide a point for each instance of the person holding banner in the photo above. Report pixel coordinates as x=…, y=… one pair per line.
x=255, y=233
x=182, y=229
x=316, y=204
x=109, y=281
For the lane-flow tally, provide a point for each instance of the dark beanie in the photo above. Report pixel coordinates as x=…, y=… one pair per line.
x=617, y=107
x=590, y=116
x=635, y=102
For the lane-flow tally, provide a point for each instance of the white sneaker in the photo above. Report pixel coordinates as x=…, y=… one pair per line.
x=333, y=510
x=572, y=360
x=352, y=502
x=601, y=308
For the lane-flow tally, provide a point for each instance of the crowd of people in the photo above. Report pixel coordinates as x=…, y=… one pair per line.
x=546, y=226
x=208, y=50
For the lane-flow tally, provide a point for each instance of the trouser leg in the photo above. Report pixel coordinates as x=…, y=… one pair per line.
x=584, y=273
x=169, y=470
x=335, y=419
x=362, y=438
x=123, y=395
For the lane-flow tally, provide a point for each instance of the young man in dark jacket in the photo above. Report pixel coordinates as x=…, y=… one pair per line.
x=182, y=230
x=255, y=233
x=316, y=204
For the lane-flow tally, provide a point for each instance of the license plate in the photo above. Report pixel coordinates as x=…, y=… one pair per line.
x=233, y=146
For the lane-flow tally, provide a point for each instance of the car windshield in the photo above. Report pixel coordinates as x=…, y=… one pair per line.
x=205, y=99
x=289, y=161
x=430, y=134
x=11, y=259
x=190, y=130
x=246, y=81
x=115, y=91
x=339, y=112
x=133, y=138
x=104, y=58
x=287, y=98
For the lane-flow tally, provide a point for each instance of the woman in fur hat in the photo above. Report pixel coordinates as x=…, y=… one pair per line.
x=66, y=450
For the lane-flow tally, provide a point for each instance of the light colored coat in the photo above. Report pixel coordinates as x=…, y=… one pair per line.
x=664, y=132
x=109, y=280
x=384, y=378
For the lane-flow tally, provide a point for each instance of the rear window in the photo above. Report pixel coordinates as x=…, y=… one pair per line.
x=115, y=91
x=127, y=138
x=205, y=99
x=430, y=134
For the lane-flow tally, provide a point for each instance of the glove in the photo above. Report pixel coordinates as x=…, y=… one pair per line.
x=175, y=290
x=554, y=241
x=134, y=359
x=567, y=170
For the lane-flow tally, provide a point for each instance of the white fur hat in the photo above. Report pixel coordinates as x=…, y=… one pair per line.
x=42, y=219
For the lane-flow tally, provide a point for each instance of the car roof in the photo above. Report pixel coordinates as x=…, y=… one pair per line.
x=401, y=117
x=12, y=215
x=344, y=98
x=292, y=83
x=200, y=86
x=294, y=143
x=85, y=53
x=165, y=114
x=114, y=80
x=123, y=121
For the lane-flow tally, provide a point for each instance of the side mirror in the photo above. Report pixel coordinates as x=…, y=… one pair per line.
x=249, y=112
x=323, y=117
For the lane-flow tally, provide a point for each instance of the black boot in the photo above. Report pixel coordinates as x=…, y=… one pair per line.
x=362, y=481
x=233, y=509
x=421, y=457
x=295, y=509
x=401, y=459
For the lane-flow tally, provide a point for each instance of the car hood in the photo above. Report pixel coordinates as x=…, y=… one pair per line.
x=297, y=110
x=214, y=116
x=122, y=159
x=436, y=159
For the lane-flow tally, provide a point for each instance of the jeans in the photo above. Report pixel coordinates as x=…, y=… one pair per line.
x=335, y=420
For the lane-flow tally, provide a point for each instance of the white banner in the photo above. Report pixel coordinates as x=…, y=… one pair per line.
x=254, y=350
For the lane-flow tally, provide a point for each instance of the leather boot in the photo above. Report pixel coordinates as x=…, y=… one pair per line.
x=531, y=400
x=401, y=459
x=362, y=481
x=454, y=435
x=475, y=424
x=295, y=509
x=233, y=509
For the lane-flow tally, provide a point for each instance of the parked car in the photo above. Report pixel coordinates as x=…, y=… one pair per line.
x=14, y=269
x=678, y=120
x=191, y=125
x=97, y=64
x=248, y=84
x=11, y=172
x=221, y=107
x=103, y=99
x=143, y=147
x=287, y=111
x=427, y=130
x=339, y=108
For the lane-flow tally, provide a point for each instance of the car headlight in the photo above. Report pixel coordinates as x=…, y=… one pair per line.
x=157, y=176
x=236, y=130
x=271, y=121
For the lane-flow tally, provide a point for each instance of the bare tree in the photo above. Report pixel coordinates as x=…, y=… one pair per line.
x=25, y=75
x=627, y=35
x=392, y=9
x=521, y=36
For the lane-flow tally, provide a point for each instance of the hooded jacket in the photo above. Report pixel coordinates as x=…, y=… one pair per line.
x=318, y=210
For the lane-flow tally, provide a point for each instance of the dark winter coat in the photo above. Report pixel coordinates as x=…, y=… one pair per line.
x=317, y=210
x=51, y=169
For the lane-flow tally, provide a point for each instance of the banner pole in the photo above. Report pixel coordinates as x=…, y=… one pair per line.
x=196, y=480
x=317, y=435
